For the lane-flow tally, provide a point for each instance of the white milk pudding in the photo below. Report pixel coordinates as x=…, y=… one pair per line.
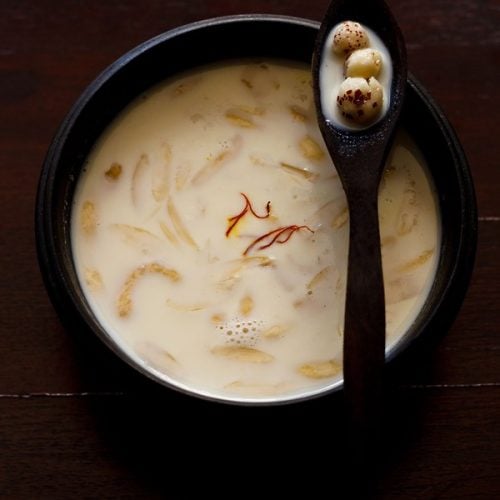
x=355, y=76
x=210, y=234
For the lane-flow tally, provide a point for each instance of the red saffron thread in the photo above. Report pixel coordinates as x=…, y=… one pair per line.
x=276, y=234
x=248, y=206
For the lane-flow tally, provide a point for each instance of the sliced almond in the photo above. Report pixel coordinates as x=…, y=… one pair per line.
x=186, y=86
x=239, y=118
x=239, y=121
x=310, y=149
x=340, y=219
x=255, y=260
x=160, y=175
x=135, y=234
x=124, y=301
x=415, y=263
x=401, y=288
x=179, y=226
x=93, y=279
x=323, y=369
x=217, y=318
x=157, y=357
x=319, y=277
x=293, y=169
x=88, y=218
x=139, y=180
x=408, y=213
x=242, y=116
x=259, y=80
x=233, y=276
x=274, y=332
x=246, y=305
x=215, y=164
x=182, y=175
x=242, y=353
x=168, y=233
x=299, y=114
x=252, y=110
x=113, y=172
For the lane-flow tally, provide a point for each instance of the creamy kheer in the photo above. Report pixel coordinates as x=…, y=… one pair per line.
x=210, y=234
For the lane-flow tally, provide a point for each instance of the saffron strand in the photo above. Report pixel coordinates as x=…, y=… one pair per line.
x=276, y=234
x=248, y=206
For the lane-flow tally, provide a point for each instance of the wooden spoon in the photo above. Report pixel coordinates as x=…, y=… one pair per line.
x=359, y=157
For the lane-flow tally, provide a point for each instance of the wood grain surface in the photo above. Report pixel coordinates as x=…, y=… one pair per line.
x=76, y=422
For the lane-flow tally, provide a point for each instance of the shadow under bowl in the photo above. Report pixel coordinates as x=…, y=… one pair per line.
x=230, y=38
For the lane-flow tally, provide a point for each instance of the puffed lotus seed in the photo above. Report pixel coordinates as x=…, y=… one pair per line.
x=349, y=36
x=360, y=100
x=363, y=63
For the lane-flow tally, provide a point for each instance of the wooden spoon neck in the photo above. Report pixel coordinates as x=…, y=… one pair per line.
x=358, y=158
x=365, y=304
x=362, y=195
x=363, y=220
x=364, y=258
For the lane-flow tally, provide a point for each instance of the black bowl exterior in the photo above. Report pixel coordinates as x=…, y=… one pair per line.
x=229, y=38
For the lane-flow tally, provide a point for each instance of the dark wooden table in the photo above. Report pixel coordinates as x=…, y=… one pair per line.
x=75, y=422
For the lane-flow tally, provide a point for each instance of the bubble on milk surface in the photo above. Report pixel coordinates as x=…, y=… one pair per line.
x=238, y=331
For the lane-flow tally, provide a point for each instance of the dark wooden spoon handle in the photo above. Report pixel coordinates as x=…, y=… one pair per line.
x=364, y=327
x=359, y=157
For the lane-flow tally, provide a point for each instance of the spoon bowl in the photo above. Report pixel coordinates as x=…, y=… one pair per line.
x=359, y=156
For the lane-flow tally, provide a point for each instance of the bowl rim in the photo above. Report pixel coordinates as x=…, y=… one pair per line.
x=66, y=301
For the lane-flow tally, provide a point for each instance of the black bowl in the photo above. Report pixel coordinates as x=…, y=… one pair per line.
x=237, y=37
